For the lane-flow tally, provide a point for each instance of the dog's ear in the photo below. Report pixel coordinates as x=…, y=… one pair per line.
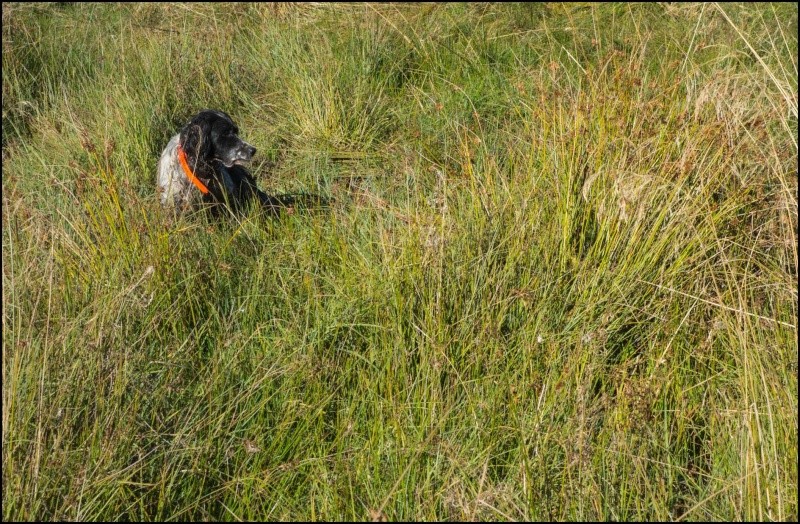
x=196, y=142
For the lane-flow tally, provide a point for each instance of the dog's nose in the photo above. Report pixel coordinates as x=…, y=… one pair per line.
x=251, y=151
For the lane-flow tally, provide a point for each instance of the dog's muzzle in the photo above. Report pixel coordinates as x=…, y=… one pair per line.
x=243, y=155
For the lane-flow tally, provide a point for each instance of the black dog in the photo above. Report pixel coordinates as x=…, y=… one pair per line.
x=203, y=163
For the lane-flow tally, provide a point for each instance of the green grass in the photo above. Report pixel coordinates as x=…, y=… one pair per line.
x=558, y=280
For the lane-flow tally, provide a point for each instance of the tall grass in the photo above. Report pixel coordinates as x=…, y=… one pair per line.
x=558, y=280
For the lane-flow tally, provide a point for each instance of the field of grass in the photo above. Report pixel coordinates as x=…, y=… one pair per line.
x=558, y=279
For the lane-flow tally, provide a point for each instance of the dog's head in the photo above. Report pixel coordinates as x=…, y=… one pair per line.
x=212, y=135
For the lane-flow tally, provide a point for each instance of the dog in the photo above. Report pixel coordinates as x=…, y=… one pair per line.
x=204, y=164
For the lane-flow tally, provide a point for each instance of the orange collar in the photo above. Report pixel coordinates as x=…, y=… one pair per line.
x=196, y=181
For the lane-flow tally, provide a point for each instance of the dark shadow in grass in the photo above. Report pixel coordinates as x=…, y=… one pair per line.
x=273, y=206
x=289, y=203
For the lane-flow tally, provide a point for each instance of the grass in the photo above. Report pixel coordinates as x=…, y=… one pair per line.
x=558, y=280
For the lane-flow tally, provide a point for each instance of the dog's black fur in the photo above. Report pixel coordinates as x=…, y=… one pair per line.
x=215, y=153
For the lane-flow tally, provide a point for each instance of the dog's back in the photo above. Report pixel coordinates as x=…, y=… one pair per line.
x=175, y=188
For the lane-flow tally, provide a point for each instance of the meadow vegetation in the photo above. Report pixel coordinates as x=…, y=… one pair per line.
x=558, y=279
